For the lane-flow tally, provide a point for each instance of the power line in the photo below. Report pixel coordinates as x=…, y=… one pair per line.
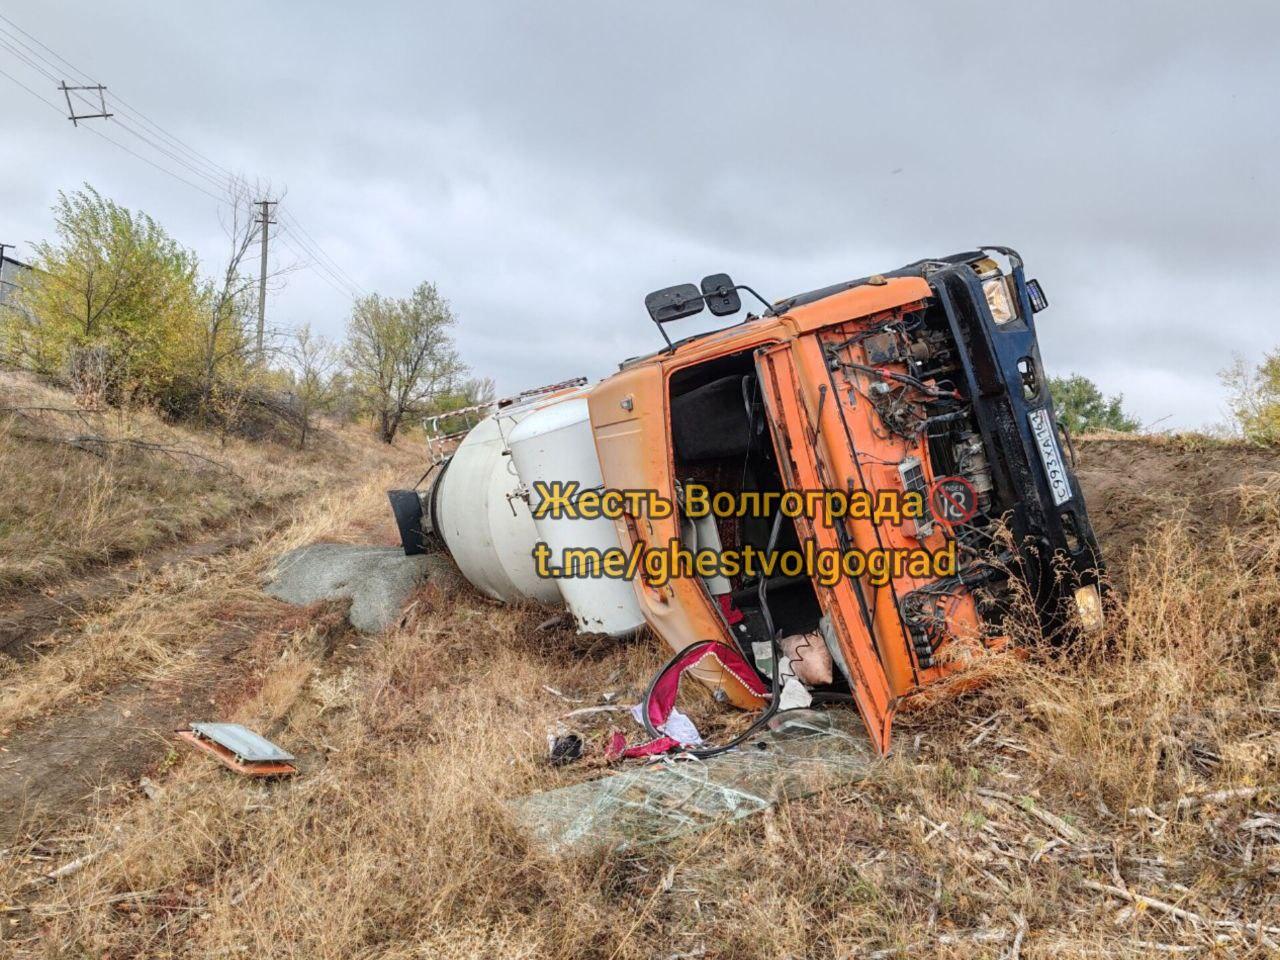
x=286, y=238
x=48, y=103
x=313, y=244
x=162, y=169
x=37, y=42
x=28, y=55
x=98, y=133
x=294, y=242
x=171, y=147
x=124, y=106
x=8, y=39
x=218, y=182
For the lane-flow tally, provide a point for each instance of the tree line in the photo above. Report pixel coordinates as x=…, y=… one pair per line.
x=120, y=312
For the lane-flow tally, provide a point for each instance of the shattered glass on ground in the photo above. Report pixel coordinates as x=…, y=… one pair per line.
x=802, y=752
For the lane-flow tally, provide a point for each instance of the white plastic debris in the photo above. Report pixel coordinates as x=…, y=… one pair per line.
x=794, y=695
x=678, y=727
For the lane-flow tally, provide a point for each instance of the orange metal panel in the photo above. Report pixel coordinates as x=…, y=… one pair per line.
x=629, y=418
x=793, y=408
x=861, y=451
x=836, y=443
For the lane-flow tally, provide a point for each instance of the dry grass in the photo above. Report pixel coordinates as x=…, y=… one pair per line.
x=65, y=508
x=998, y=837
x=171, y=619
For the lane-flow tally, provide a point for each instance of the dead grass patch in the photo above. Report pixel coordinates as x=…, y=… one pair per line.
x=159, y=626
x=1000, y=837
x=65, y=507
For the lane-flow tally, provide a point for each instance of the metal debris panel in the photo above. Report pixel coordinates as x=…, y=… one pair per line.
x=243, y=742
x=802, y=752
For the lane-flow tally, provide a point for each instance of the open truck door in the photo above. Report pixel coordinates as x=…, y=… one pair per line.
x=801, y=410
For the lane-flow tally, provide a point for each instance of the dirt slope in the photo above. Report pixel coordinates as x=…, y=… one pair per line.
x=97, y=708
x=1133, y=484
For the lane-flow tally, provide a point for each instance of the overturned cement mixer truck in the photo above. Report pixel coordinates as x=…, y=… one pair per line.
x=875, y=465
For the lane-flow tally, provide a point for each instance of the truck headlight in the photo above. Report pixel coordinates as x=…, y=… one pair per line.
x=1000, y=300
x=1089, y=606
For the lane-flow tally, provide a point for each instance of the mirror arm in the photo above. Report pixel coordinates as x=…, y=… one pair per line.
x=768, y=310
x=768, y=307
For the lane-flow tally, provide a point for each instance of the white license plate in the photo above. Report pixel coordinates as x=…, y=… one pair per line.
x=1050, y=455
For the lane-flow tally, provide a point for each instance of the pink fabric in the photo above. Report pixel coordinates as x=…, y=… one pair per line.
x=732, y=615
x=662, y=698
x=617, y=748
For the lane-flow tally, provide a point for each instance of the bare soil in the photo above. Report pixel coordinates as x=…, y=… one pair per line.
x=28, y=616
x=73, y=760
x=1131, y=485
x=76, y=760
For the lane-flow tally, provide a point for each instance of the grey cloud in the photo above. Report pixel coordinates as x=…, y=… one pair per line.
x=550, y=164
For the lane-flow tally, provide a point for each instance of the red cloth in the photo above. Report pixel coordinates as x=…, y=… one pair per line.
x=732, y=615
x=617, y=748
x=663, y=692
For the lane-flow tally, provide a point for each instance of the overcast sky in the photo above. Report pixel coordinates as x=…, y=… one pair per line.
x=548, y=164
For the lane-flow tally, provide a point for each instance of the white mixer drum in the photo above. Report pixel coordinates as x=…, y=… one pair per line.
x=555, y=444
x=478, y=511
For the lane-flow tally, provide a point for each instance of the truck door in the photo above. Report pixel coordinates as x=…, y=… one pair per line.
x=798, y=401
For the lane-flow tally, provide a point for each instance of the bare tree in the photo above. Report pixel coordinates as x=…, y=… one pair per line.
x=227, y=346
x=401, y=355
x=314, y=361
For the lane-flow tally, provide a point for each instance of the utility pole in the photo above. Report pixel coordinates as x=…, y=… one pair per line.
x=266, y=221
x=4, y=296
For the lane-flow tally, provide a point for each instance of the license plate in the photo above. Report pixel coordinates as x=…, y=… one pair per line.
x=1050, y=455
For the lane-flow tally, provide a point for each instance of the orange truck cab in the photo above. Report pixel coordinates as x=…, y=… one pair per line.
x=924, y=383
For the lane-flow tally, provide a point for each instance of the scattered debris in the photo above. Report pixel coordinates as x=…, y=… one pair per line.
x=802, y=752
x=1253, y=928
x=240, y=749
x=566, y=749
x=677, y=726
x=588, y=711
x=658, y=703
x=76, y=865
x=795, y=695
x=1053, y=821
x=1196, y=800
x=563, y=696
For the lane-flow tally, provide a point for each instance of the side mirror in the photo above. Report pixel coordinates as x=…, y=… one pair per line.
x=720, y=294
x=673, y=303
